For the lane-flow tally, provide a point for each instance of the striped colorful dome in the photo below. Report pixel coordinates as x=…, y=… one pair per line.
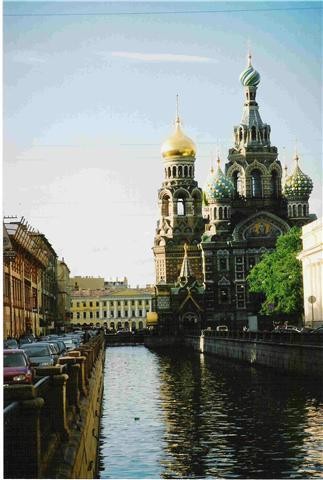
x=250, y=77
x=218, y=186
x=298, y=185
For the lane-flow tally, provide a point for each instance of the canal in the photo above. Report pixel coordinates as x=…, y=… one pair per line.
x=181, y=414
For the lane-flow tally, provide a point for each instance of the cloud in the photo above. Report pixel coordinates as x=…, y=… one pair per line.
x=163, y=57
x=26, y=57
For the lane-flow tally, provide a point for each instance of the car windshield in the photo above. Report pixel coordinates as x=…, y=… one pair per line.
x=38, y=351
x=14, y=360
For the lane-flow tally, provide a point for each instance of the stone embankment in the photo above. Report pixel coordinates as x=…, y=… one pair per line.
x=290, y=352
x=51, y=428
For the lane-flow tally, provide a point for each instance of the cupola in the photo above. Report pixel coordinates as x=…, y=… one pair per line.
x=298, y=186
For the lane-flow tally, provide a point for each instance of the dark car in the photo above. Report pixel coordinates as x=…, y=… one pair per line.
x=10, y=343
x=16, y=367
x=40, y=354
x=318, y=330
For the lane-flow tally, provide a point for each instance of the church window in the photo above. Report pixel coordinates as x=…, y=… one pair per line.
x=180, y=171
x=225, y=211
x=294, y=211
x=240, y=134
x=169, y=172
x=174, y=171
x=223, y=264
x=299, y=210
x=239, y=259
x=165, y=206
x=251, y=262
x=91, y=314
x=180, y=206
x=78, y=315
x=304, y=211
x=105, y=313
x=140, y=313
x=274, y=184
x=97, y=314
x=256, y=184
x=111, y=313
x=253, y=133
x=220, y=213
x=224, y=296
x=185, y=171
x=91, y=304
x=237, y=182
x=214, y=212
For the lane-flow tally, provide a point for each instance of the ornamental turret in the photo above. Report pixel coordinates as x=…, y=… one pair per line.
x=297, y=189
x=218, y=194
x=180, y=206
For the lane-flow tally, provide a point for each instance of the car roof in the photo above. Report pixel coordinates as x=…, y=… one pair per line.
x=10, y=351
x=35, y=344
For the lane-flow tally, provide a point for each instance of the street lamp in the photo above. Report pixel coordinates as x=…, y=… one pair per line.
x=312, y=300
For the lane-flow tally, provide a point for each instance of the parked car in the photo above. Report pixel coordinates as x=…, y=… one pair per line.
x=25, y=340
x=10, y=343
x=69, y=343
x=40, y=354
x=287, y=329
x=222, y=328
x=318, y=330
x=16, y=367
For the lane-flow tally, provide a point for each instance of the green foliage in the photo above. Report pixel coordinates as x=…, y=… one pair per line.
x=279, y=276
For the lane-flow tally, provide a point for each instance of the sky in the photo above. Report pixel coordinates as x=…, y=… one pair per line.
x=90, y=95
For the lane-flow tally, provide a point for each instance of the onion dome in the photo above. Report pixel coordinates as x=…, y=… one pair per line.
x=298, y=185
x=178, y=144
x=218, y=186
x=250, y=77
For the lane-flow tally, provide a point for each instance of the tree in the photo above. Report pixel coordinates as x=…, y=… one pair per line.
x=278, y=276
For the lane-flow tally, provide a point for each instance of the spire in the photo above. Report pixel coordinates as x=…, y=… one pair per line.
x=178, y=121
x=186, y=270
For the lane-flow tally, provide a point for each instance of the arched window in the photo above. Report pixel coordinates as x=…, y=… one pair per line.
x=225, y=212
x=240, y=134
x=214, y=212
x=180, y=206
x=185, y=171
x=253, y=133
x=165, y=206
x=191, y=171
x=169, y=172
x=294, y=211
x=304, y=211
x=274, y=184
x=180, y=171
x=220, y=213
x=256, y=184
x=289, y=211
x=174, y=171
x=299, y=210
x=196, y=204
x=237, y=182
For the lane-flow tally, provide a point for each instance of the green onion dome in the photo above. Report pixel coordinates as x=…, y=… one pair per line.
x=250, y=77
x=218, y=186
x=298, y=185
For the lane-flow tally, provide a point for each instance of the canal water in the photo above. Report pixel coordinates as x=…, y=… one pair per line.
x=185, y=415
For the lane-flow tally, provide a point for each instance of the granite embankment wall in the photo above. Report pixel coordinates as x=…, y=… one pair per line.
x=295, y=353
x=51, y=428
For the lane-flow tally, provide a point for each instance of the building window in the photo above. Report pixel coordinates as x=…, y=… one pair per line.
x=105, y=313
x=224, y=296
x=140, y=313
x=251, y=262
x=111, y=313
x=180, y=207
x=256, y=184
x=84, y=304
x=84, y=315
x=97, y=314
x=223, y=264
x=133, y=313
x=104, y=304
x=97, y=304
x=132, y=302
x=78, y=304
x=91, y=314
x=78, y=315
x=165, y=206
x=91, y=304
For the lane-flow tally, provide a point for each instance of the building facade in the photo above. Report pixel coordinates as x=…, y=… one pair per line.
x=29, y=298
x=246, y=205
x=312, y=262
x=115, y=309
x=63, y=294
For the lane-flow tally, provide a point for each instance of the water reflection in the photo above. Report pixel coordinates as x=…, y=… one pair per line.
x=204, y=417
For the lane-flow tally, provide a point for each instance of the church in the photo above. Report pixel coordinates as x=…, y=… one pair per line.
x=207, y=240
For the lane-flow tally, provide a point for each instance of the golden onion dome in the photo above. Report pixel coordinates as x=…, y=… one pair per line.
x=178, y=144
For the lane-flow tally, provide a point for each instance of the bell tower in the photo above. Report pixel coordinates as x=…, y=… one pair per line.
x=180, y=208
